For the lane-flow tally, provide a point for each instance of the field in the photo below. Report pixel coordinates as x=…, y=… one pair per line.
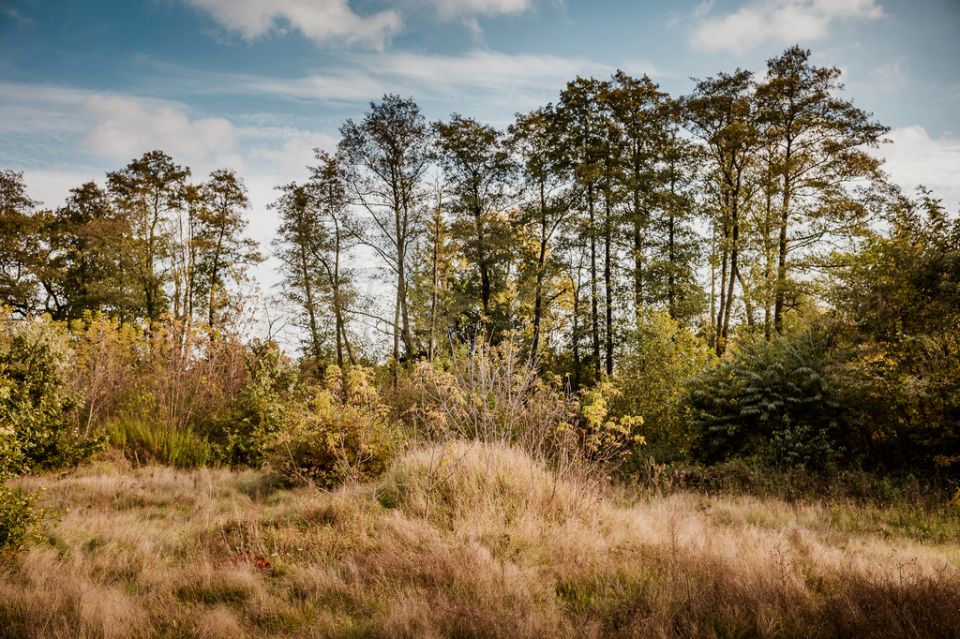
x=467, y=540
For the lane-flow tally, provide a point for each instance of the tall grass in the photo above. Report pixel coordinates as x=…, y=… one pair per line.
x=464, y=539
x=145, y=440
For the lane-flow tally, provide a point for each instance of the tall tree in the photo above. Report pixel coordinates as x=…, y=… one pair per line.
x=386, y=155
x=328, y=188
x=821, y=146
x=722, y=113
x=19, y=244
x=149, y=192
x=584, y=139
x=478, y=169
x=89, y=267
x=299, y=232
x=637, y=109
x=547, y=202
x=224, y=254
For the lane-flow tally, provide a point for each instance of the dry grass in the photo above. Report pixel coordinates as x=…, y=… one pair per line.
x=463, y=540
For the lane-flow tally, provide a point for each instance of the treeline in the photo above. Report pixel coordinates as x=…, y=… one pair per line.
x=559, y=230
x=732, y=264
x=148, y=244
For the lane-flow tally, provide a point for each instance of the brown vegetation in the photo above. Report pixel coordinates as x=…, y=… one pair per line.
x=460, y=539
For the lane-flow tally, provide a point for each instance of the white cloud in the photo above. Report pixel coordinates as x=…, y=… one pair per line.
x=466, y=8
x=775, y=22
x=320, y=20
x=125, y=127
x=518, y=79
x=916, y=158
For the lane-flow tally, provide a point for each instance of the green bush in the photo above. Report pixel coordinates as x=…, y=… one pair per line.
x=262, y=408
x=16, y=517
x=660, y=358
x=342, y=432
x=772, y=400
x=35, y=401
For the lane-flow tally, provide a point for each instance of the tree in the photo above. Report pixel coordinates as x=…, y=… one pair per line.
x=547, y=203
x=386, y=156
x=821, y=144
x=328, y=188
x=721, y=112
x=88, y=269
x=636, y=106
x=149, y=192
x=432, y=286
x=298, y=234
x=19, y=244
x=584, y=139
x=223, y=253
x=478, y=168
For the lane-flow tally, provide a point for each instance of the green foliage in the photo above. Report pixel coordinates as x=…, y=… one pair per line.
x=608, y=440
x=35, y=431
x=660, y=358
x=145, y=440
x=262, y=408
x=16, y=517
x=341, y=432
x=900, y=302
x=770, y=399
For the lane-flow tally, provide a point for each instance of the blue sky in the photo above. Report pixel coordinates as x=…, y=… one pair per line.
x=254, y=85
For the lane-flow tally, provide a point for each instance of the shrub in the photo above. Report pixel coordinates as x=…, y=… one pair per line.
x=16, y=517
x=607, y=440
x=260, y=409
x=771, y=399
x=335, y=433
x=661, y=357
x=190, y=374
x=492, y=395
x=35, y=400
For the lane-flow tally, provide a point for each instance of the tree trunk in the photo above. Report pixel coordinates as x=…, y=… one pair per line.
x=608, y=282
x=594, y=308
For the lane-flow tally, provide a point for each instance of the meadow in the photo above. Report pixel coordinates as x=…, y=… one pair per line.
x=465, y=539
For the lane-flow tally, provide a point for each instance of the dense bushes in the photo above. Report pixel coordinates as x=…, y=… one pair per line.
x=661, y=356
x=899, y=320
x=35, y=401
x=771, y=399
x=493, y=395
x=35, y=429
x=337, y=432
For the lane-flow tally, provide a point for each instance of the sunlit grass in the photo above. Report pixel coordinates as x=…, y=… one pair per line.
x=466, y=540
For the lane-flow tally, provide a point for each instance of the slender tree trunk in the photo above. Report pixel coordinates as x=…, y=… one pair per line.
x=594, y=302
x=724, y=258
x=782, y=253
x=434, y=293
x=734, y=254
x=538, y=292
x=608, y=282
x=575, y=332
x=215, y=275
x=767, y=265
x=638, y=231
x=671, y=250
x=308, y=299
x=781, y=287
x=747, y=301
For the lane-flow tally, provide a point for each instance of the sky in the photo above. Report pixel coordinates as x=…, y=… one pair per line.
x=255, y=85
